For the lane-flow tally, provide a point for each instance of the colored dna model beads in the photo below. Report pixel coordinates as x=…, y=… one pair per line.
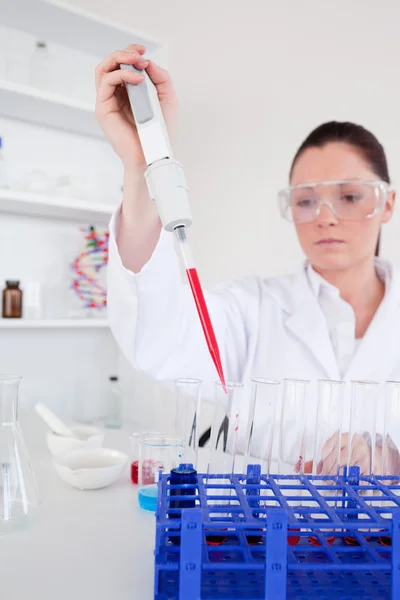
x=86, y=268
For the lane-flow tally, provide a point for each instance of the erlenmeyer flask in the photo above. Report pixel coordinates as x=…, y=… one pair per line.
x=18, y=489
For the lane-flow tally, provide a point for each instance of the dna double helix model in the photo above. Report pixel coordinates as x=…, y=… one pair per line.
x=86, y=268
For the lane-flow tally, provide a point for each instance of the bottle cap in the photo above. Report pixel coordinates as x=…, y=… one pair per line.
x=12, y=282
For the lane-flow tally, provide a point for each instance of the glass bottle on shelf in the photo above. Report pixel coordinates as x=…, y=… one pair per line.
x=19, y=498
x=114, y=404
x=12, y=300
x=32, y=300
x=41, y=76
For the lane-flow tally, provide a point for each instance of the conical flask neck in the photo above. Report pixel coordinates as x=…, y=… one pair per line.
x=9, y=399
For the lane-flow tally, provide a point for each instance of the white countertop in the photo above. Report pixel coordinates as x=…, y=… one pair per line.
x=84, y=545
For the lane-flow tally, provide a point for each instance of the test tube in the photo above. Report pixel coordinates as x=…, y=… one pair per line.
x=228, y=397
x=390, y=464
x=361, y=440
x=362, y=433
x=328, y=430
x=227, y=401
x=258, y=448
x=188, y=417
x=293, y=427
x=327, y=441
x=390, y=460
x=261, y=423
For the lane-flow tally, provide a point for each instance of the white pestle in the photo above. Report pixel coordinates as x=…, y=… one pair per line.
x=55, y=424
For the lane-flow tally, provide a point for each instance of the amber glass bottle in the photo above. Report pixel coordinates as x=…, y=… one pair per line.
x=12, y=300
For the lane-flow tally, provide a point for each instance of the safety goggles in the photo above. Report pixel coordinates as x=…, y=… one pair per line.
x=351, y=200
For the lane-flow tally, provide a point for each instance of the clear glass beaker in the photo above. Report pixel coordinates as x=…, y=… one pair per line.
x=362, y=432
x=227, y=402
x=293, y=427
x=328, y=430
x=187, y=417
x=261, y=423
x=18, y=487
x=135, y=438
x=158, y=454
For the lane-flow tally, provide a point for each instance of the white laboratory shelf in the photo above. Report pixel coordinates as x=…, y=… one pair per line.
x=94, y=323
x=26, y=103
x=55, y=207
x=58, y=21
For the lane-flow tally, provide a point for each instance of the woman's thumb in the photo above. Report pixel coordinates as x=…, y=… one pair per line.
x=161, y=78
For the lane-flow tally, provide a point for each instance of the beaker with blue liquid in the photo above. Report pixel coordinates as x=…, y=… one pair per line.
x=158, y=454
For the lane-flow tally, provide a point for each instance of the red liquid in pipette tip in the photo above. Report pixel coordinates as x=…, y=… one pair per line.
x=206, y=324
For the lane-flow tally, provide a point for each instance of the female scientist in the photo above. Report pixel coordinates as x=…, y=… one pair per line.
x=338, y=318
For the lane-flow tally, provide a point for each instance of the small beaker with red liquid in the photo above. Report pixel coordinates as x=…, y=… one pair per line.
x=135, y=448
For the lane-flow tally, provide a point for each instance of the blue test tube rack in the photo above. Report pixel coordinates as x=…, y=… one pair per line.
x=243, y=509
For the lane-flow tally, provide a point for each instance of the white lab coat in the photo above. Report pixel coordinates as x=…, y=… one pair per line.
x=271, y=328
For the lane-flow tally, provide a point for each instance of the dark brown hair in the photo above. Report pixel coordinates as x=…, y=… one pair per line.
x=357, y=136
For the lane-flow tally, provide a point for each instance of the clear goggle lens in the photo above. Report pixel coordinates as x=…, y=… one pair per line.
x=348, y=200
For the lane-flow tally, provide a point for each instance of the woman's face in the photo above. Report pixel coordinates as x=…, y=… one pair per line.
x=329, y=242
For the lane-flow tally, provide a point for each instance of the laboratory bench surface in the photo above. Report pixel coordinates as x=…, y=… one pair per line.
x=83, y=545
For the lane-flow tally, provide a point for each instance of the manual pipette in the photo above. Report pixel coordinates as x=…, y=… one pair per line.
x=167, y=186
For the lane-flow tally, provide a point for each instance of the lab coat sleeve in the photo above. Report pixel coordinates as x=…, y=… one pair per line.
x=155, y=322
